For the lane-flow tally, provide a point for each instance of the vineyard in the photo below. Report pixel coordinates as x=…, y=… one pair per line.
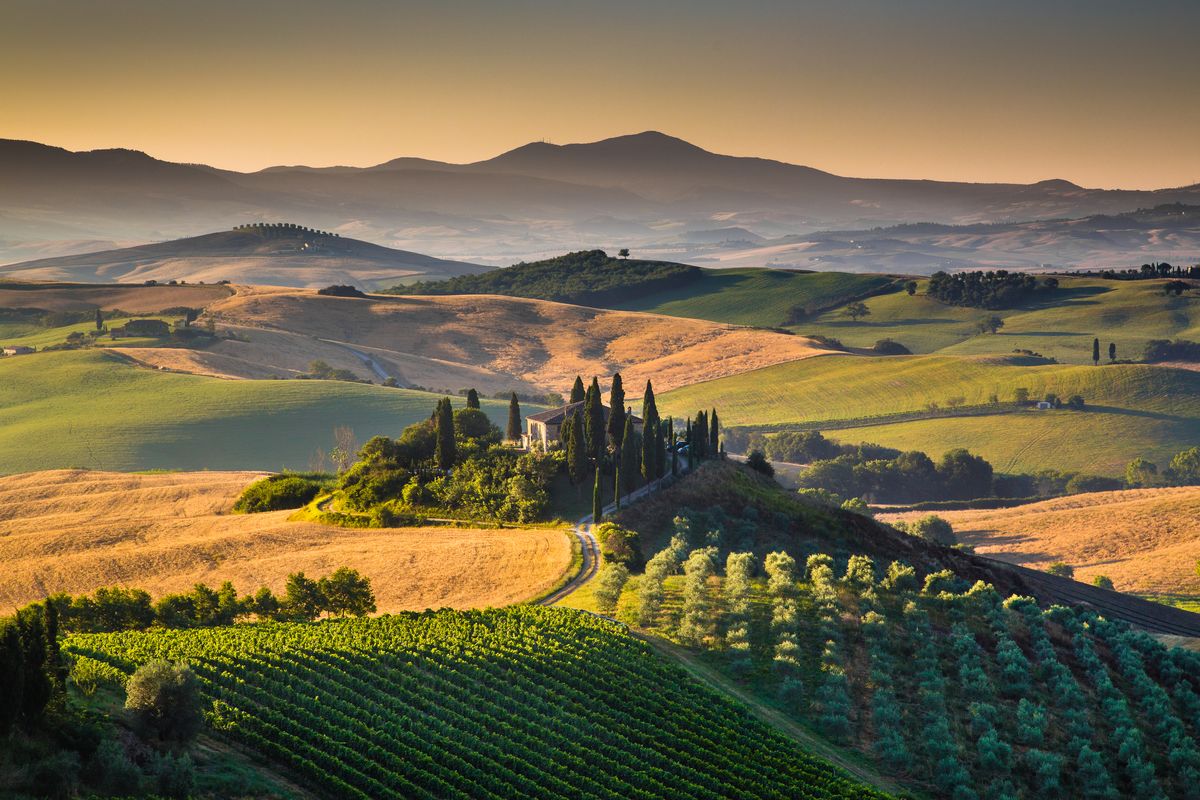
x=516, y=702
x=946, y=685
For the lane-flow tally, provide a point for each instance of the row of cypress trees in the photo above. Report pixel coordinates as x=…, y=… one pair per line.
x=31, y=667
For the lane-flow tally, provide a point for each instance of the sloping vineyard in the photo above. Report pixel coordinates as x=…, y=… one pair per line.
x=517, y=702
x=945, y=684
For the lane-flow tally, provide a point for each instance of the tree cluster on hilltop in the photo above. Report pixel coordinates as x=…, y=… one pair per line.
x=976, y=289
x=587, y=277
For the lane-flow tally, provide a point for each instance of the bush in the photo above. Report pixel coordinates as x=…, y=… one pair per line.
x=1061, y=569
x=889, y=347
x=619, y=545
x=802, y=447
x=277, y=492
x=165, y=700
x=931, y=528
x=758, y=462
x=1081, y=483
x=1104, y=582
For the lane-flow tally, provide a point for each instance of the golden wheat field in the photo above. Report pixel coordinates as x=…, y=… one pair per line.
x=1146, y=540
x=74, y=531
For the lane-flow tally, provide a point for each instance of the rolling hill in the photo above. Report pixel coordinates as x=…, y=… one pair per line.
x=282, y=255
x=74, y=531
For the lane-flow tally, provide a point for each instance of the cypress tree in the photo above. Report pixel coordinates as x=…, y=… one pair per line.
x=55, y=668
x=714, y=436
x=472, y=398
x=445, y=451
x=594, y=422
x=37, y=689
x=12, y=677
x=1096, y=351
x=1112, y=351
x=691, y=445
x=649, y=408
x=630, y=455
x=597, y=503
x=616, y=411
x=649, y=451
x=700, y=431
x=660, y=452
x=514, y=419
x=671, y=444
x=577, y=390
x=577, y=458
x=99, y=319
x=617, y=487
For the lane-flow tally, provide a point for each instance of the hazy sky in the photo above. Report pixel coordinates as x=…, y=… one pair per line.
x=1100, y=92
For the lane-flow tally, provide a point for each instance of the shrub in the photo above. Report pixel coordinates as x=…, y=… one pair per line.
x=619, y=545
x=277, y=492
x=1104, y=582
x=889, y=347
x=1078, y=484
x=758, y=462
x=1061, y=570
x=931, y=528
x=165, y=700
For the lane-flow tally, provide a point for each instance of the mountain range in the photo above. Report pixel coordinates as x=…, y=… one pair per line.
x=641, y=191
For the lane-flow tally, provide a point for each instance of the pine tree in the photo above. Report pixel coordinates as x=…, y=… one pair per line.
x=445, y=452
x=1096, y=351
x=514, y=419
x=594, y=422
x=576, y=448
x=630, y=455
x=577, y=392
x=472, y=398
x=597, y=502
x=714, y=436
x=616, y=412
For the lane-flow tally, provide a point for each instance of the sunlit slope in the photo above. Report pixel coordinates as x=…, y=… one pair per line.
x=762, y=297
x=92, y=409
x=1061, y=326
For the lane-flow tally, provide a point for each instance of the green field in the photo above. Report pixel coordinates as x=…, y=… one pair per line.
x=92, y=409
x=39, y=337
x=1133, y=410
x=760, y=297
x=1128, y=313
x=517, y=702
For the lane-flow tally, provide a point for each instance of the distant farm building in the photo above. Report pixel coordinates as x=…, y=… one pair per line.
x=18, y=350
x=1043, y=405
x=545, y=427
x=142, y=327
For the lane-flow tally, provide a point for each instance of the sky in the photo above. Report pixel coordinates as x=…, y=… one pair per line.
x=1099, y=92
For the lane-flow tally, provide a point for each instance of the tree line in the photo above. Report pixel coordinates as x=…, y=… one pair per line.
x=992, y=289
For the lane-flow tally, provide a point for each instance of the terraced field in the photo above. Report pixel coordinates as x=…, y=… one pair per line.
x=94, y=409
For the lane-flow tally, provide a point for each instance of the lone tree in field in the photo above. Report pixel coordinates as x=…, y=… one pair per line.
x=445, y=451
x=513, y=432
x=165, y=700
x=1112, y=351
x=577, y=392
x=623, y=252
x=910, y=287
x=1096, y=351
x=346, y=592
x=991, y=324
x=472, y=398
x=856, y=310
x=616, y=412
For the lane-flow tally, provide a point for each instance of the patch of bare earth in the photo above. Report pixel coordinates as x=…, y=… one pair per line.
x=1146, y=540
x=75, y=531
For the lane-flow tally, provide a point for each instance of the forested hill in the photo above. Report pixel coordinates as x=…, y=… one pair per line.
x=586, y=277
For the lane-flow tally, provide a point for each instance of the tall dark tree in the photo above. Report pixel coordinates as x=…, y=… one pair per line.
x=99, y=319
x=714, y=434
x=577, y=392
x=617, y=487
x=700, y=433
x=616, y=411
x=513, y=432
x=446, y=451
x=55, y=668
x=37, y=689
x=597, y=501
x=649, y=449
x=660, y=451
x=593, y=422
x=12, y=676
x=630, y=456
x=691, y=445
x=576, y=445
x=649, y=408
x=671, y=446
x=1112, y=351
x=472, y=398
x=1096, y=352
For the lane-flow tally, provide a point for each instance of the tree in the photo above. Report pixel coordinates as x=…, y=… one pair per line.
x=714, y=434
x=649, y=407
x=1061, y=569
x=910, y=287
x=165, y=700
x=346, y=592
x=1141, y=472
x=758, y=462
x=856, y=310
x=1186, y=465
x=991, y=324
x=302, y=598
x=472, y=398
x=576, y=447
x=593, y=421
x=1020, y=396
x=609, y=584
x=597, y=501
x=616, y=412
x=577, y=392
x=651, y=436
x=623, y=252
x=99, y=319
x=932, y=528
x=513, y=432
x=1103, y=582
x=445, y=451
x=12, y=676
x=1096, y=351
x=1112, y=351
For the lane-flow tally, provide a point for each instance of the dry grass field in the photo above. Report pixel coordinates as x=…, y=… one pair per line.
x=492, y=343
x=1146, y=540
x=75, y=531
x=132, y=298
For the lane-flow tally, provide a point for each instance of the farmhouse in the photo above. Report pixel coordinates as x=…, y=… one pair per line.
x=545, y=427
x=18, y=350
x=142, y=327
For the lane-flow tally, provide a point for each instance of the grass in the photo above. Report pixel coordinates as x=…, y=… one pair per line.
x=92, y=409
x=760, y=297
x=1128, y=313
x=40, y=337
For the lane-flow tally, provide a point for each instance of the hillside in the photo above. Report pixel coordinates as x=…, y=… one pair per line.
x=485, y=704
x=96, y=410
x=489, y=342
x=72, y=531
x=1145, y=540
x=1131, y=410
x=282, y=255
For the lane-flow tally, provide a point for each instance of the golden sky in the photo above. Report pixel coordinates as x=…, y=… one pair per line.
x=1100, y=92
